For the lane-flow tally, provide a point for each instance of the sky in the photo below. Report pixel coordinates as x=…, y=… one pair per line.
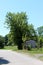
x=33, y=8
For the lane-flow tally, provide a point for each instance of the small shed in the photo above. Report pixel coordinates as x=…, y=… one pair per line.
x=32, y=43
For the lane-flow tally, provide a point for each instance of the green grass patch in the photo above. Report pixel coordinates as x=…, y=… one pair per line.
x=36, y=51
x=10, y=48
x=41, y=58
x=33, y=51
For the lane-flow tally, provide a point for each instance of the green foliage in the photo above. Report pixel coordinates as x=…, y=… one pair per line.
x=20, y=30
x=40, y=30
x=6, y=39
x=1, y=42
x=40, y=36
x=18, y=26
x=31, y=33
x=41, y=42
x=10, y=39
x=29, y=47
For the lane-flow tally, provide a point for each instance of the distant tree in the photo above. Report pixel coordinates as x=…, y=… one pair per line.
x=18, y=26
x=1, y=42
x=40, y=30
x=40, y=35
x=6, y=39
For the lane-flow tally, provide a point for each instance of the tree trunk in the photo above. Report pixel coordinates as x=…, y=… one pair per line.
x=20, y=47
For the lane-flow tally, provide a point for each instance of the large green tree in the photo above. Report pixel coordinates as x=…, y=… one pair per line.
x=18, y=25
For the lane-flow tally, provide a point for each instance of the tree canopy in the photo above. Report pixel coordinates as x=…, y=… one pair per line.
x=20, y=29
x=40, y=30
x=18, y=25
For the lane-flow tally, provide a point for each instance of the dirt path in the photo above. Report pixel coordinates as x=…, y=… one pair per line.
x=8, y=57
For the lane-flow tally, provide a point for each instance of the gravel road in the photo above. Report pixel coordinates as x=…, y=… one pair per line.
x=8, y=57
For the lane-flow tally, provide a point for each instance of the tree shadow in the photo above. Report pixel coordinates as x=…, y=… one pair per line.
x=3, y=61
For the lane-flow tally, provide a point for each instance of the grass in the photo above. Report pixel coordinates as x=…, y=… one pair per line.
x=36, y=51
x=10, y=48
x=32, y=52
x=41, y=58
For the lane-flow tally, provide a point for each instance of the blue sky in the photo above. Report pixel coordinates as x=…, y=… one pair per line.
x=33, y=8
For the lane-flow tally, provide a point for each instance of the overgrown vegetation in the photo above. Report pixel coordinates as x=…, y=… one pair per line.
x=1, y=42
x=41, y=58
x=20, y=31
x=32, y=52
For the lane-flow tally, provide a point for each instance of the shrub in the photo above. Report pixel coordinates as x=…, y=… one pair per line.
x=29, y=47
x=1, y=42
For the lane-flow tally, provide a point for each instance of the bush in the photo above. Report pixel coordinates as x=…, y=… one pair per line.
x=29, y=47
x=1, y=45
x=41, y=42
x=1, y=42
